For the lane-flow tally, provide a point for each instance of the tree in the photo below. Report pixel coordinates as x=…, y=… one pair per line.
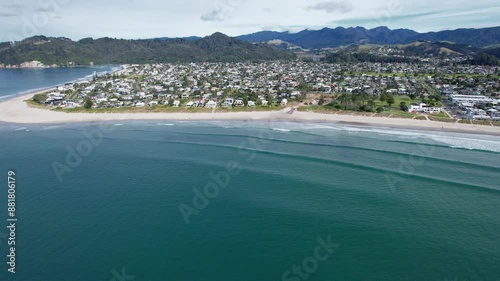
x=40, y=98
x=390, y=100
x=88, y=103
x=321, y=100
x=403, y=106
x=412, y=96
x=380, y=109
x=383, y=97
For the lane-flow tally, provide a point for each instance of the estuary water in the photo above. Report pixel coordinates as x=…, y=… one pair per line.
x=18, y=81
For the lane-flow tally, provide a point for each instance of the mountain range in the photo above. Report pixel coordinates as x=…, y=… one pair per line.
x=330, y=38
x=252, y=47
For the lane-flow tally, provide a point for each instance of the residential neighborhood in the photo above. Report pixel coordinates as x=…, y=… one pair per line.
x=455, y=90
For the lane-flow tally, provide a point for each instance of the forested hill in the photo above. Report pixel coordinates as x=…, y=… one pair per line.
x=330, y=38
x=61, y=51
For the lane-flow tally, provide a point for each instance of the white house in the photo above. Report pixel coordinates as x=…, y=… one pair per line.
x=250, y=103
x=211, y=104
x=152, y=103
x=140, y=104
x=423, y=108
x=228, y=102
x=265, y=103
x=284, y=102
x=176, y=103
x=189, y=104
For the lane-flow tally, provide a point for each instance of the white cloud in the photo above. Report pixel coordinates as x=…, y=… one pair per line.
x=333, y=6
x=214, y=15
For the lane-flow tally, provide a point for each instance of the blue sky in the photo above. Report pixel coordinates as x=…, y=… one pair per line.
x=133, y=19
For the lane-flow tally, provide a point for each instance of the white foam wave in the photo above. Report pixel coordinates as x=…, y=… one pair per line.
x=468, y=143
x=281, y=130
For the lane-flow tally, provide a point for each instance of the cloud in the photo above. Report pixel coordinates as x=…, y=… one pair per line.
x=333, y=6
x=13, y=6
x=7, y=15
x=215, y=15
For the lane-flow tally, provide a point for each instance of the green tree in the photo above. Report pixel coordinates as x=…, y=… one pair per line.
x=321, y=100
x=390, y=100
x=380, y=109
x=40, y=98
x=403, y=106
x=88, y=103
x=383, y=97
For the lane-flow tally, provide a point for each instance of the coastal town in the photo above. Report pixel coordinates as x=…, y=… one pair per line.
x=430, y=89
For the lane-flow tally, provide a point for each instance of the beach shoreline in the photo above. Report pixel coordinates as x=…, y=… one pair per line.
x=17, y=111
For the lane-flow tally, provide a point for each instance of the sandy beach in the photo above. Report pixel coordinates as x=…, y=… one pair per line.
x=16, y=110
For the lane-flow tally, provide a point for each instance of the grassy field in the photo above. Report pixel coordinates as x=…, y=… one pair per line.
x=441, y=119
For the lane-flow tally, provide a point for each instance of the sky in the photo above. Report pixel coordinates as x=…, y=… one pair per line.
x=134, y=19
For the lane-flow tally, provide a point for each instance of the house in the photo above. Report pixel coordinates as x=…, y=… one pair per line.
x=284, y=102
x=185, y=96
x=176, y=103
x=189, y=104
x=423, y=108
x=140, y=104
x=238, y=103
x=70, y=104
x=265, y=103
x=211, y=104
x=251, y=103
x=228, y=102
x=152, y=103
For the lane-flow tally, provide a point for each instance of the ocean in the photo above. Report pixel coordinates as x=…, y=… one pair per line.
x=216, y=201
x=18, y=81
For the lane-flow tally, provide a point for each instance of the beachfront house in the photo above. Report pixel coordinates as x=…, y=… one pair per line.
x=238, y=103
x=189, y=104
x=423, y=108
x=211, y=104
x=228, y=102
x=176, y=103
x=284, y=102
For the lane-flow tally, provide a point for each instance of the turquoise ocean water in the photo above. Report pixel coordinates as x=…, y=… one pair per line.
x=397, y=204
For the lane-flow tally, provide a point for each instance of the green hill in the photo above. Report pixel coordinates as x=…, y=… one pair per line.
x=61, y=51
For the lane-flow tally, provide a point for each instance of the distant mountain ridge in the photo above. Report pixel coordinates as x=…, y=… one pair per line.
x=330, y=38
x=63, y=51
